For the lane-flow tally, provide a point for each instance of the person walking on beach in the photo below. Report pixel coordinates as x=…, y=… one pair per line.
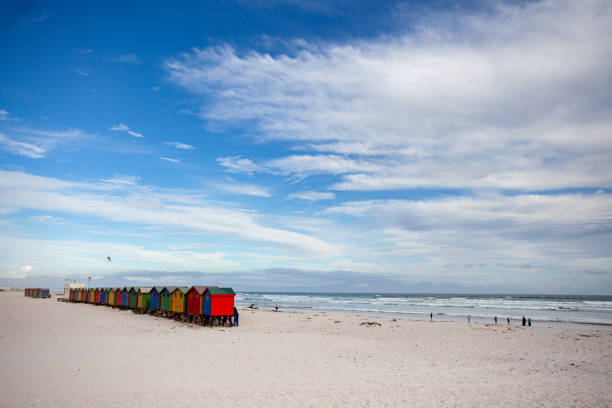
x=529, y=322
x=495, y=319
x=431, y=317
x=524, y=320
x=236, y=316
x=507, y=318
x=276, y=308
x=468, y=319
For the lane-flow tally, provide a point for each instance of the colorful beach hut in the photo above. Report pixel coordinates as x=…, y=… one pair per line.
x=82, y=295
x=144, y=297
x=125, y=297
x=133, y=297
x=218, y=302
x=118, y=296
x=103, y=296
x=178, y=300
x=154, y=299
x=111, y=296
x=194, y=299
x=164, y=298
x=97, y=296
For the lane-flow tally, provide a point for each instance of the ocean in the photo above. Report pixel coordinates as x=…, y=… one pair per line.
x=572, y=311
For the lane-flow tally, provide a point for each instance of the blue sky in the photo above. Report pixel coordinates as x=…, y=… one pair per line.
x=286, y=145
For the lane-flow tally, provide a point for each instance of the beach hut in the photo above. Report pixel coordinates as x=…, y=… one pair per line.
x=118, y=296
x=154, y=298
x=164, y=298
x=97, y=296
x=178, y=300
x=125, y=297
x=133, y=298
x=194, y=299
x=103, y=296
x=144, y=297
x=110, y=294
x=218, y=302
x=92, y=295
x=82, y=293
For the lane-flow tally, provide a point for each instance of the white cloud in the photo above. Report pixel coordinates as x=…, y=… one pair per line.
x=73, y=254
x=22, y=148
x=155, y=88
x=146, y=206
x=84, y=72
x=126, y=59
x=47, y=219
x=125, y=129
x=510, y=98
x=36, y=143
x=179, y=145
x=236, y=164
x=544, y=231
x=244, y=189
x=4, y=115
x=170, y=160
x=123, y=179
x=312, y=195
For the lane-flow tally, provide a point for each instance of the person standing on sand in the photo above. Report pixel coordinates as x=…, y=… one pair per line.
x=507, y=318
x=431, y=317
x=495, y=319
x=524, y=320
x=236, y=316
x=276, y=308
x=529, y=322
x=468, y=319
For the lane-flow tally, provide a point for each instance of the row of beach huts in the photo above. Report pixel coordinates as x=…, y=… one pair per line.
x=196, y=304
x=38, y=292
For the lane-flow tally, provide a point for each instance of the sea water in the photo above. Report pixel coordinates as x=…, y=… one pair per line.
x=594, y=312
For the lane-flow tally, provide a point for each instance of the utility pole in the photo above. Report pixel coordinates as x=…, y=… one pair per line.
x=89, y=282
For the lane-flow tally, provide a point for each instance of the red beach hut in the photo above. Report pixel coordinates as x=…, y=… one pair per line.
x=97, y=296
x=118, y=296
x=218, y=302
x=194, y=299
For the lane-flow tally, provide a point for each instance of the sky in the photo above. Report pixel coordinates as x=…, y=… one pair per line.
x=284, y=145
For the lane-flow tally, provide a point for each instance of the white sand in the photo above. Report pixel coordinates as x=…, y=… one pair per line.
x=76, y=355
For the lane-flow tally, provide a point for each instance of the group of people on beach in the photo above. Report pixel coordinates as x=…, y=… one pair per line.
x=525, y=322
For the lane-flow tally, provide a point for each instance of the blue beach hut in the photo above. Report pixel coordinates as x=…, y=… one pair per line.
x=154, y=300
x=125, y=297
x=102, y=296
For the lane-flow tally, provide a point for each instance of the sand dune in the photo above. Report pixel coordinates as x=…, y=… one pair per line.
x=74, y=355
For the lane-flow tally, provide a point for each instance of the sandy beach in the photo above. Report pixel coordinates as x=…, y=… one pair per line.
x=74, y=355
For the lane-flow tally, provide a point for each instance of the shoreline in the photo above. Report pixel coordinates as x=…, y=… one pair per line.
x=444, y=317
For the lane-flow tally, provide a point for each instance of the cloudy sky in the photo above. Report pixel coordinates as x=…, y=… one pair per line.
x=308, y=145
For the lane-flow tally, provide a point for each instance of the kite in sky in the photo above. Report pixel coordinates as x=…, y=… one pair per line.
x=108, y=258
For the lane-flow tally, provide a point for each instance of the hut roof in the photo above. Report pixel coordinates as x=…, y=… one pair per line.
x=134, y=288
x=183, y=289
x=200, y=289
x=145, y=290
x=170, y=289
x=221, y=291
